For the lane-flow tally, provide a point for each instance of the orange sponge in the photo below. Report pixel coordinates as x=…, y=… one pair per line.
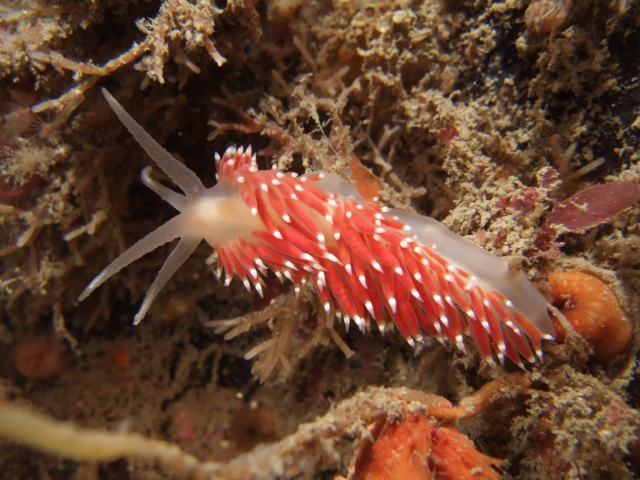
x=415, y=449
x=593, y=311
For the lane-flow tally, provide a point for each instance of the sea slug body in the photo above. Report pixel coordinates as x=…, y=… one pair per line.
x=364, y=260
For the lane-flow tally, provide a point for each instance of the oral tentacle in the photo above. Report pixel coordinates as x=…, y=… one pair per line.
x=176, y=200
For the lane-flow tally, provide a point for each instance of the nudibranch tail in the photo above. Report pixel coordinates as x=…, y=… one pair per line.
x=365, y=261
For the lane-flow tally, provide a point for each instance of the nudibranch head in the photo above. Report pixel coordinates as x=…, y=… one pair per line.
x=364, y=260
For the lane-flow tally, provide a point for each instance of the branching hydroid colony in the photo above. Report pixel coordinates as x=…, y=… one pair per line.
x=364, y=260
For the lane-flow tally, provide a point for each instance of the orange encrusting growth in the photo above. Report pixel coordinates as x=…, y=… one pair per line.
x=415, y=449
x=40, y=358
x=593, y=311
x=120, y=357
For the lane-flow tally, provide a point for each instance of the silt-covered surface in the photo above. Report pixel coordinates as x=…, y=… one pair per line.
x=463, y=111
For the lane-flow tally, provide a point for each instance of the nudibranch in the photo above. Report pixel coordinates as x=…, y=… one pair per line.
x=365, y=261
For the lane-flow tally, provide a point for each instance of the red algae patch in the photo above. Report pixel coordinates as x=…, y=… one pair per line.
x=594, y=205
x=593, y=311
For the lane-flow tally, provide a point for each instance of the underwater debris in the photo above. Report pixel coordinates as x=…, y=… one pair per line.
x=592, y=310
x=364, y=260
x=521, y=200
x=184, y=427
x=446, y=135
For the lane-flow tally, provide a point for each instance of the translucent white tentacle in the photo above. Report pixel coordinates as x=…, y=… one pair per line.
x=183, y=177
x=166, y=232
x=177, y=201
x=183, y=250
